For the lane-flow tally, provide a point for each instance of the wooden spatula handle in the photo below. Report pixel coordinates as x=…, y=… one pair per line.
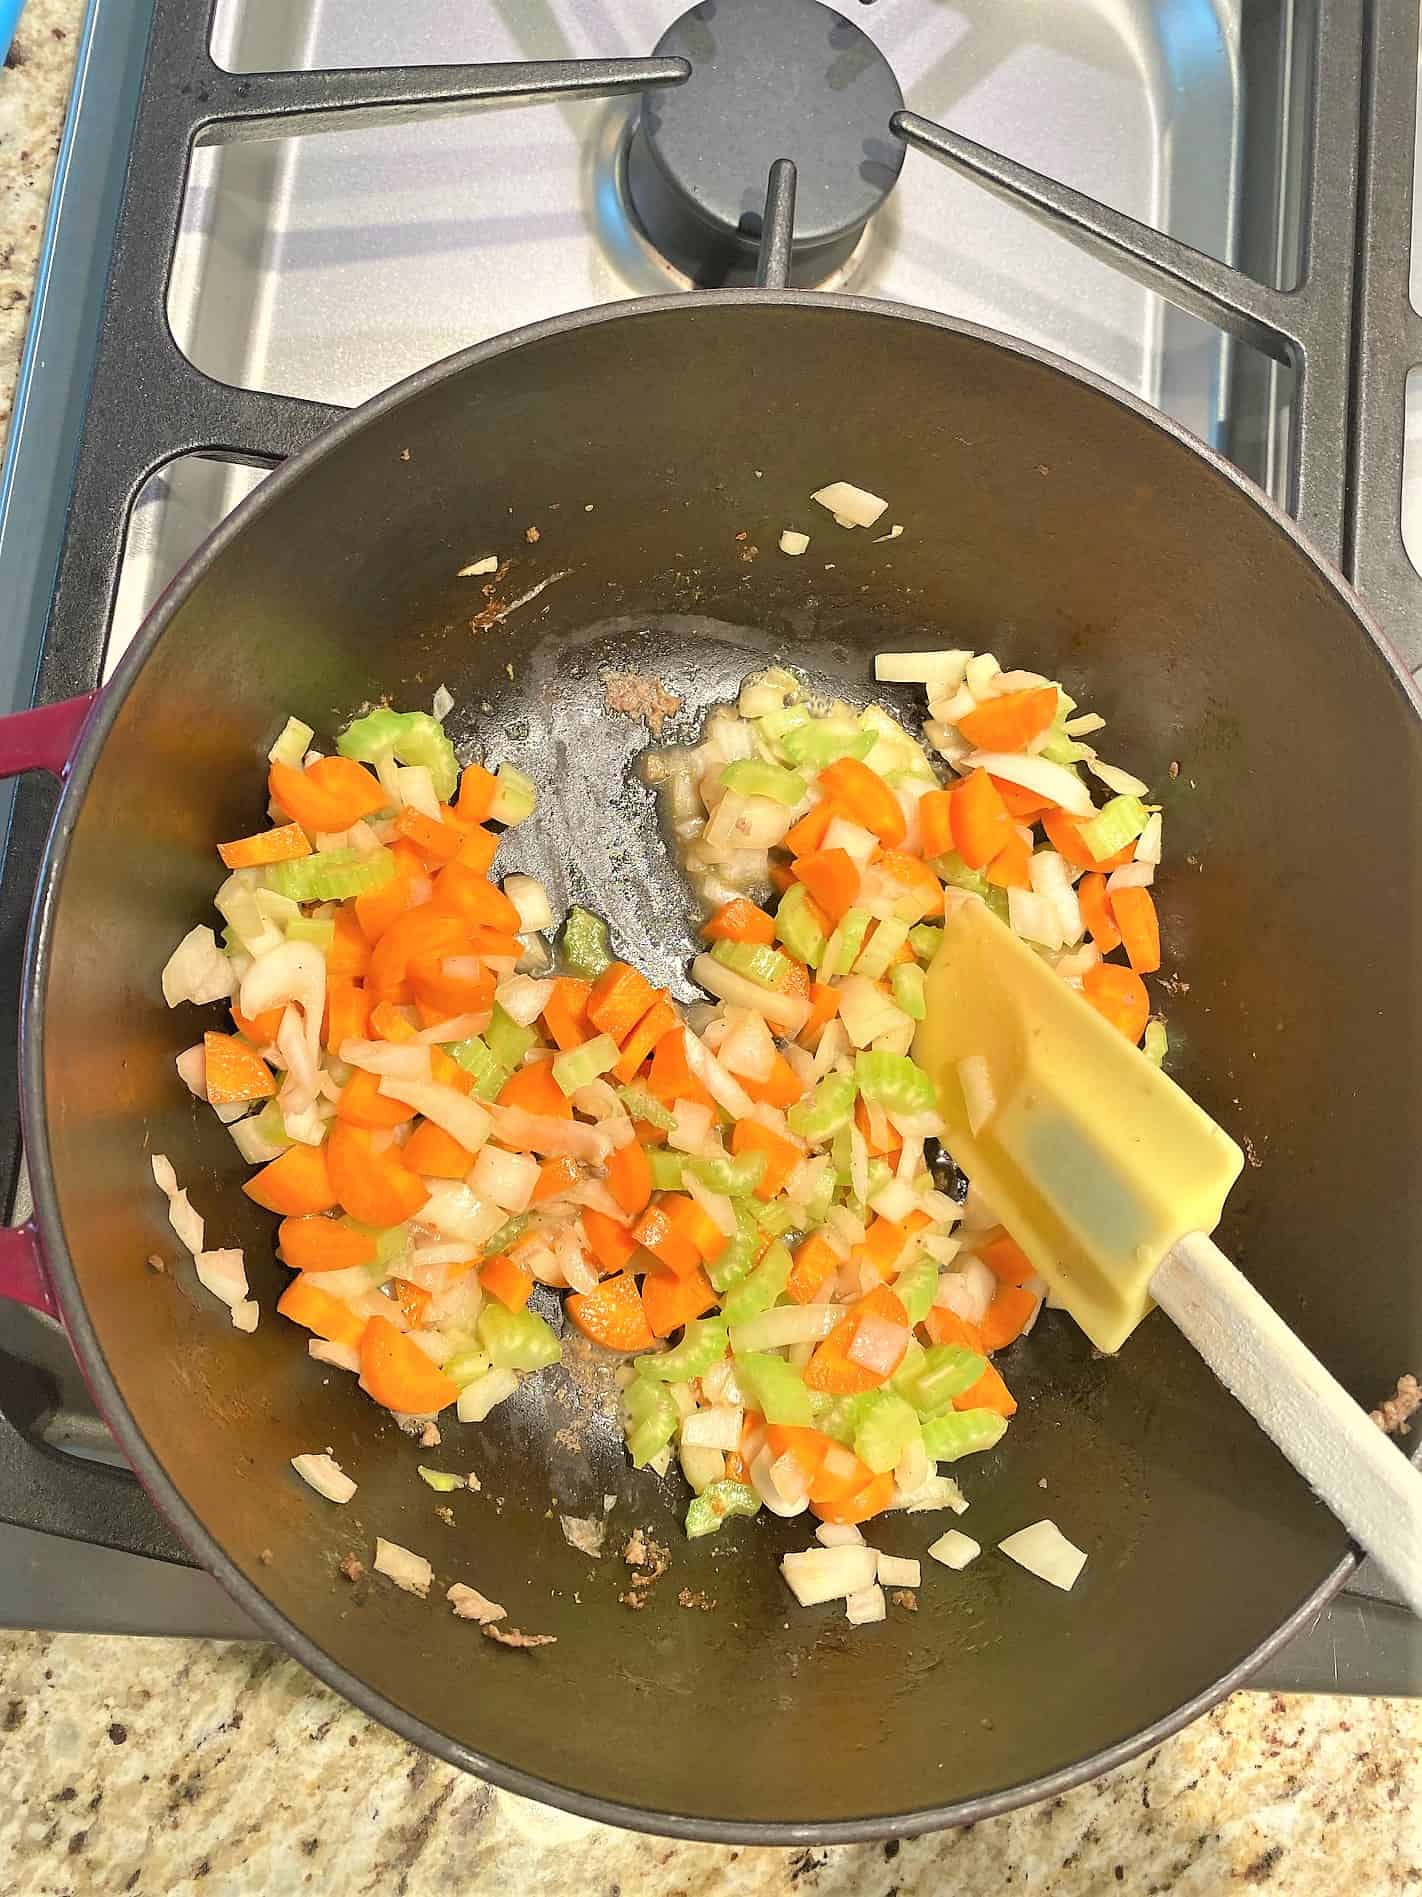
x=1362, y=1477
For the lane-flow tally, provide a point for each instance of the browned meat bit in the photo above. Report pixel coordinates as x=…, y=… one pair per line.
x=157, y=1263
x=446, y=1515
x=633, y=1599
x=639, y=695
x=266, y=1557
x=511, y=1637
x=430, y=1437
x=693, y=1597
x=650, y=1560
x=1393, y=1415
x=532, y=536
x=902, y=1597
x=350, y=1569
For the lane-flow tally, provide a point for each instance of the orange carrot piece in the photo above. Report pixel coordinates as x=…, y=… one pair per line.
x=322, y=1244
x=1120, y=995
x=511, y=1284
x=1011, y=868
x=535, y=1090
x=557, y=1175
x=419, y=932
x=347, y=1014
x=444, y=995
x=377, y=909
x=609, y=1242
x=982, y=828
x=781, y=1157
x=620, y=996
x=668, y=1302
x=1133, y=912
x=988, y=1393
x=478, y=850
x=348, y=957
x=659, y=1229
x=375, y=1187
x=280, y=845
x=739, y=921
x=797, y=982
x=892, y=1143
x=832, y=878
x=782, y=1087
x=259, y=1029
x=448, y=1072
x=436, y=842
x=670, y=1077
x=1064, y=834
x=865, y=799
x=659, y=1020
x=824, y=1006
x=390, y=1023
x=413, y=1300
x=809, y=833
x=477, y=788
x=883, y=1245
x=566, y=1016
x=330, y=795
x=295, y=1182
x=935, y=822
x=1010, y=721
x=436, y=1154
x=331, y=1318
x=234, y=1072
x=629, y=1178
x=363, y=1104
x=1096, y=912
x=469, y=893
x=1009, y=1311
x=807, y=1446
x=946, y=1327
x=874, y=1497
x=1005, y=1259
x=840, y=1476
x=815, y=1261
x=398, y=1374
x=612, y=1315
x=1023, y=805
x=832, y=1369
x=916, y=882
x=693, y=1222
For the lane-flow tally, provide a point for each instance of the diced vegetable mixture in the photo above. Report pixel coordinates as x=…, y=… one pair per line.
x=738, y=1199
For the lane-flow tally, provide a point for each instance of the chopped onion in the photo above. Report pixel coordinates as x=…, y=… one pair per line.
x=954, y=1549
x=476, y=1399
x=858, y=1163
x=979, y=1097
x=693, y=1126
x=785, y=1011
x=1136, y=875
x=940, y=1247
x=857, y=843
x=941, y=670
x=939, y=1491
x=530, y=898
x=913, y=1467
x=303, y=1075
x=829, y=1574
x=851, y=506
x=769, y=1491
x=1051, y=880
x=293, y=973
x=197, y=970
x=716, y=1428
x=414, y=789
x=979, y=673
x=898, y=1571
x=723, y=1086
x=839, y=1535
x=469, y=1604
x=788, y=1476
x=865, y=1607
x=786, y=1324
x=458, y=1212
x=327, y=1477
x=544, y=1133
x=896, y=1200
x=748, y=1048
x=792, y=542
x=245, y=1315
x=968, y=1291
x=508, y=1179
x=1148, y=842
x=457, y=1028
x=410, y=1571
x=1045, y=1551
x=844, y=1225
x=223, y=1273
x=434, y=1344
x=185, y=1221
x=1053, y=781
x=1083, y=726
x=1035, y=918
x=489, y=564
x=340, y=1356
x=192, y=1070
x=462, y=1118
x=1115, y=779
x=523, y=999
x=878, y=1344
x=578, y=1270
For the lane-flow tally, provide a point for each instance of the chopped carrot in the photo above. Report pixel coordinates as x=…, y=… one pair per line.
x=347, y=1014
x=318, y=1311
x=892, y=1143
x=535, y=1090
x=297, y=1181
x=935, y=823
x=478, y=850
x=815, y=1261
x=832, y=1369
x=694, y=1222
x=419, y=932
x=436, y=842
x=511, y=1284
x=1133, y=912
x=612, y=1315
x=389, y=1023
x=322, y=1244
x=566, y=1016
x=1010, y=721
x=865, y=799
x=470, y=894
x=782, y=1087
x=659, y=1020
x=1009, y=1311
x=234, y=1072
x=808, y=1447
x=444, y=994
x=329, y=795
x=375, y=1186
x=377, y=909
x=448, y=1072
x=988, y=1393
x=832, y=878
x=840, y=1477
x=259, y=1029
x=797, y=982
x=610, y=1243
x=781, y=1155
x=557, y=1175
x=1064, y=834
x=477, y=789
x=1005, y=1258
x=1011, y=868
x=668, y=1302
x=629, y=1178
x=1119, y=994
x=739, y=921
x=413, y=1300
x=874, y=1497
x=670, y=1077
x=1096, y=912
x=348, y=957
x=1022, y=804
x=435, y=1153
x=661, y=1231
x=363, y=1104
x=917, y=883
x=824, y=1006
x=982, y=828
x=280, y=845
x=809, y=833
x=620, y=996
x=883, y=1245
x=399, y=1375
x=946, y=1327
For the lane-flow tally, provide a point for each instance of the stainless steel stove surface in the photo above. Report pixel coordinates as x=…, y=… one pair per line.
x=328, y=266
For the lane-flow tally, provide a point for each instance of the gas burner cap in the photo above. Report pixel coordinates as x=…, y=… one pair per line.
x=769, y=79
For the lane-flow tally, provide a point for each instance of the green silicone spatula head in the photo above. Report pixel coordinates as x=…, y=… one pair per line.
x=1091, y=1157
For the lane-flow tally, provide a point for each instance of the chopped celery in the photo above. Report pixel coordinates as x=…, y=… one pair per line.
x=773, y=1388
x=715, y=1502
x=1114, y=826
x=796, y=927
x=880, y=1173
x=585, y=945
x=780, y=720
x=775, y=1217
x=331, y=875
x=962, y=1433
x=467, y=1366
x=943, y=1371
x=895, y=1082
x=270, y=1124
x=829, y=1108
x=517, y=1340
x=822, y=741
x=292, y=745
x=702, y=1346
x=642, y=1105
x=996, y=900
x=667, y=1168
x=390, y=1241
x=841, y=1149
x=914, y=1288
x=576, y=1066
x=844, y=944
x=476, y=1057
x=507, y=1041
x=755, y=960
x=753, y=777
x=509, y=1233
x=906, y=985
x=821, y=1199
x=738, y=1178
x=440, y=1479
x=925, y=940
x=1061, y=747
x=732, y=1262
x=413, y=736
x=955, y=872
x=311, y=929
x=760, y=1288
x=649, y=1418
x=1155, y=1046
x=841, y=1417
x=515, y=795
x=887, y=1426
x=883, y=945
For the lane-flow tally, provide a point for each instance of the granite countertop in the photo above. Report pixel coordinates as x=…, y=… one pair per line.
x=148, y=1765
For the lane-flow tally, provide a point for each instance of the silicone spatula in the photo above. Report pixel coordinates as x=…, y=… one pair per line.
x=1110, y=1178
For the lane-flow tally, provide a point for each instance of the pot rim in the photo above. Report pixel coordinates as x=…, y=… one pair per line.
x=84, y=1337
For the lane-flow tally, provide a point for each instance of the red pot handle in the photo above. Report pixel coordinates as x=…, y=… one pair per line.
x=22, y=1273
x=44, y=739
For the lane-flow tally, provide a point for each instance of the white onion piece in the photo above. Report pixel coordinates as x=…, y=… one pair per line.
x=833, y=1043
x=979, y=673
x=856, y=842
x=303, y=1076
x=723, y=1086
x=530, y=898
x=895, y=1201
x=414, y=789
x=295, y=973
x=1083, y=726
x=223, y=1273
x=508, y=1179
x=940, y=1247
x=940, y=671
x=829, y=1574
x=410, y=1571
x=898, y=1571
x=462, y=1118
x=1037, y=774
x=748, y=1048
x=851, y=506
x=716, y=1205
x=339, y=1356
x=326, y=1476
x=1148, y=842
x=1045, y=1551
x=523, y=999
x=1051, y=880
x=771, y=1494
x=1035, y=918
x=979, y=1096
x=245, y=1315
x=792, y=542
x=939, y=1491
x=913, y=1468
x=968, y=1291
x=197, y=970
x=579, y=1272
x=786, y=1324
x=1115, y=779
x=858, y=1163
x=716, y=1428
x=839, y=1535
x=692, y=1131
x=476, y=1399
x=457, y=1028
x=878, y=1344
x=544, y=1133
x=192, y=1070
x=469, y=1604
x=456, y=1211
x=185, y=1221
x=1135, y=875
x=435, y=1346
x=954, y=1549
x=843, y=1228
x=786, y=1012
x=939, y=1207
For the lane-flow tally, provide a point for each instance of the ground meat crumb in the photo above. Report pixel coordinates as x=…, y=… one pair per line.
x=156, y=1263
x=404, y=454
x=1174, y=768
x=532, y=536
x=266, y=1557
x=511, y=1637
x=430, y=1437
x=350, y=1568
x=1251, y=1156
x=1393, y=1415
x=446, y=1515
x=650, y=1561
x=693, y=1597
x=901, y=1597
x=639, y=695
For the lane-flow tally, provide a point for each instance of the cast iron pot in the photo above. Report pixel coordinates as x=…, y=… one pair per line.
x=659, y=449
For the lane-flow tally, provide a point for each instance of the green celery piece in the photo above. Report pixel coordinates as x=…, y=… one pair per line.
x=925, y=940
x=819, y=742
x=390, y=1241
x=515, y=795
x=818, y=1205
x=292, y=745
x=414, y=737
x=649, y=1419
x=440, y=1479
x=667, y=1168
x=759, y=1289
x=757, y=961
x=774, y=725
x=880, y=1173
x=1061, y=749
x=230, y=939
x=576, y=1066
x=774, y=1388
x=702, y=1346
x=840, y=1151
x=476, y=1057
x=1114, y=826
x=996, y=900
x=467, y=1366
x=642, y=1105
x=796, y=927
x=828, y=1110
x=844, y=944
x=585, y=945
x=841, y=1417
x=906, y=985
x=331, y=875
x=883, y=945
x=509, y=1233
x=962, y=1433
x=1155, y=1045
x=775, y=1217
x=955, y=871
x=270, y=1124
x=732, y=1262
x=886, y=1428
x=507, y=1041
x=517, y=1340
x=715, y=1502
x=914, y=1288
x=943, y=1371
x=737, y=1178
x=311, y=929
x=895, y=1082
x=753, y=777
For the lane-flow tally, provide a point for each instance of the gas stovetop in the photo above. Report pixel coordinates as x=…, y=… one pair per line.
x=324, y=195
